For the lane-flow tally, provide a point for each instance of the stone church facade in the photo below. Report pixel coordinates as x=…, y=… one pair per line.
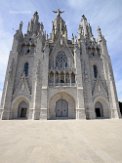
x=52, y=77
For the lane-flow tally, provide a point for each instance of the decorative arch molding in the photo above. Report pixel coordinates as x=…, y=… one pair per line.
x=15, y=106
x=54, y=53
x=105, y=108
x=70, y=104
x=18, y=98
x=64, y=48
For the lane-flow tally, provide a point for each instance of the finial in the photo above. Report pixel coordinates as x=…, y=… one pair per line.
x=42, y=26
x=100, y=35
x=47, y=36
x=35, y=16
x=99, y=31
x=20, y=26
x=36, y=13
x=83, y=16
x=73, y=38
x=58, y=12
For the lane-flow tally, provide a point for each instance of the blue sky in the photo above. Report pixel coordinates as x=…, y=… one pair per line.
x=104, y=13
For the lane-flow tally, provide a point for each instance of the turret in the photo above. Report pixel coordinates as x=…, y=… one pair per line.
x=102, y=42
x=100, y=35
x=19, y=33
x=108, y=74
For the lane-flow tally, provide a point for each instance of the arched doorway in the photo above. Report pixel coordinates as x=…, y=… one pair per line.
x=61, y=108
x=99, y=110
x=22, y=110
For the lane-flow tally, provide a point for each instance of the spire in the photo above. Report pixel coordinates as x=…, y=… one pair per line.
x=35, y=17
x=85, y=28
x=102, y=42
x=100, y=35
x=34, y=26
x=58, y=26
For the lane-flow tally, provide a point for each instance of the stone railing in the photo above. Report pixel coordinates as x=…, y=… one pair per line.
x=62, y=84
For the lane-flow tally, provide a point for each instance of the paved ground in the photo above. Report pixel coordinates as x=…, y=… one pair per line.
x=64, y=141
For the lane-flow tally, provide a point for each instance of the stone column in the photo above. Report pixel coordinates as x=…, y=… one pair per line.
x=54, y=80
x=59, y=77
x=64, y=77
x=70, y=79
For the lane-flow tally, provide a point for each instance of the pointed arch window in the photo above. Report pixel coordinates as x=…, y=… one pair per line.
x=61, y=60
x=95, y=71
x=26, y=68
x=28, y=51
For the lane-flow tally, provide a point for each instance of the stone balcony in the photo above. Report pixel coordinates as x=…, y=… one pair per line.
x=62, y=84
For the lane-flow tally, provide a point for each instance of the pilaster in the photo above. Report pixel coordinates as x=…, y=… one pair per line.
x=44, y=91
x=80, y=108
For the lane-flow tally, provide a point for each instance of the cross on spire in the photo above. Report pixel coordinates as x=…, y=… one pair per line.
x=58, y=12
